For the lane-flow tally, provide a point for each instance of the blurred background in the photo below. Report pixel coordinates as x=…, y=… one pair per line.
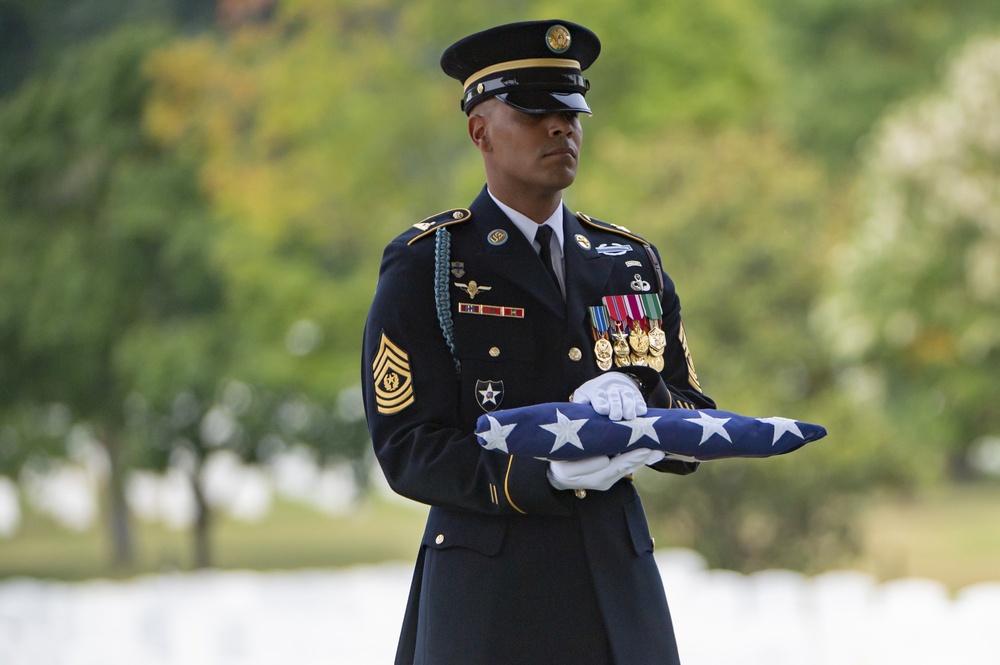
x=194, y=196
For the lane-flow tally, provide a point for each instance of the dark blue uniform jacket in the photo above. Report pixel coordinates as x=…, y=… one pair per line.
x=511, y=570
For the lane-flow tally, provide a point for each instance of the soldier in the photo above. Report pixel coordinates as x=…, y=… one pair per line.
x=511, y=302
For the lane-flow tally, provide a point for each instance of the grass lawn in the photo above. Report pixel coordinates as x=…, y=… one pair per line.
x=292, y=536
x=950, y=534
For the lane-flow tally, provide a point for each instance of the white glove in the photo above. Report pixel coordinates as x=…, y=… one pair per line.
x=599, y=473
x=612, y=394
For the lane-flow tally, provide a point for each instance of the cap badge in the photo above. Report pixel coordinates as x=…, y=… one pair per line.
x=582, y=241
x=557, y=38
x=497, y=237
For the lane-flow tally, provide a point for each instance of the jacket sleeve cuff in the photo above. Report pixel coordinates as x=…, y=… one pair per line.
x=651, y=385
x=528, y=491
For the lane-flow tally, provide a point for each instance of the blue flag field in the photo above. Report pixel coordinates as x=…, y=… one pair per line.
x=565, y=431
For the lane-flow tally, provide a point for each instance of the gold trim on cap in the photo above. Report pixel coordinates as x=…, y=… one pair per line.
x=526, y=63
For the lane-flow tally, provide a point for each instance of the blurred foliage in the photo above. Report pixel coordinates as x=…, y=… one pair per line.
x=916, y=286
x=191, y=223
x=102, y=240
x=34, y=33
x=103, y=236
x=847, y=61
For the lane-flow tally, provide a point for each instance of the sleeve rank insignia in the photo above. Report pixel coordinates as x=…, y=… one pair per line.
x=393, y=379
x=440, y=220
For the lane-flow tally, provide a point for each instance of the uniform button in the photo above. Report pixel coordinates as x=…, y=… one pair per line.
x=575, y=354
x=580, y=494
x=494, y=351
x=439, y=539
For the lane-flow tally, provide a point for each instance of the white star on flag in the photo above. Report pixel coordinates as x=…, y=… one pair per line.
x=782, y=425
x=496, y=438
x=710, y=426
x=566, y=431
x=640, y=427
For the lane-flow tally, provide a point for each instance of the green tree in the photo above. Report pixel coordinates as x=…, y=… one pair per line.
x=35, y=33
x=103, y=238
x=847, y=61
x=912, y=313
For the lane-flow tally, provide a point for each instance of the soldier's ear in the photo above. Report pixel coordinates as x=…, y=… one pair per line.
x=478, y=132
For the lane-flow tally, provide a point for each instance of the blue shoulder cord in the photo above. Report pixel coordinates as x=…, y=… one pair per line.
x=442, y=301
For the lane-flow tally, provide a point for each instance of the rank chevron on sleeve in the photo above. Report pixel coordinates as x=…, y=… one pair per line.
x=393, y=380
x=563, y=431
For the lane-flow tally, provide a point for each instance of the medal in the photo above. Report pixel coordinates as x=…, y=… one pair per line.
x=616, y=310
x=638, y=339
x=603, y=350
x=622, y=353
x=657, y=338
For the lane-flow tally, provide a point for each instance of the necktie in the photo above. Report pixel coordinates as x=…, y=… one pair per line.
x=543, y=236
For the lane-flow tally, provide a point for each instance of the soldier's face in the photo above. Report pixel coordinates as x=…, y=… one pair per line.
x=530, y=152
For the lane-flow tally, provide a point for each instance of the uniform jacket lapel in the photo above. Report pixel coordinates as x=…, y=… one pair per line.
x=587, y=271
x=515, y=260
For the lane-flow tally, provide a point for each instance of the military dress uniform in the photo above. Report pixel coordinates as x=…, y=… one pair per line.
x=467, y=320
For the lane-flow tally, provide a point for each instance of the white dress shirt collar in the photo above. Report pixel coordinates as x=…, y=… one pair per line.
x=528, y=226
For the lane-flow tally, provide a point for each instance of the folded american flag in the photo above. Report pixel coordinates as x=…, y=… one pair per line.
x=565, y=431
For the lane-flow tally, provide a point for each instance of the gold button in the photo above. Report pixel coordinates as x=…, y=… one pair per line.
x=458, y=214
x=580, y=494
x=575, y=354
x=494, y=351
x=439, y=539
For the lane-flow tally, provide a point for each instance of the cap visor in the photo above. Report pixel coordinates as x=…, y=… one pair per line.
x=538, y=102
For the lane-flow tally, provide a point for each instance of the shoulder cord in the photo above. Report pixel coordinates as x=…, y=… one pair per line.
x=442, y=301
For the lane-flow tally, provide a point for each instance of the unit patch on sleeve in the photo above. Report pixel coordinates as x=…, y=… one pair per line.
x=393, y=380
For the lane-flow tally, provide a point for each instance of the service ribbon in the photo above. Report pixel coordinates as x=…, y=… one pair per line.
x=634, y=309
x=651, y=301
x=617, y=309
x=599, y=319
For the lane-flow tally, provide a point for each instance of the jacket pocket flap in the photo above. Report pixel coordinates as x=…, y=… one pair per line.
x=480, y=533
